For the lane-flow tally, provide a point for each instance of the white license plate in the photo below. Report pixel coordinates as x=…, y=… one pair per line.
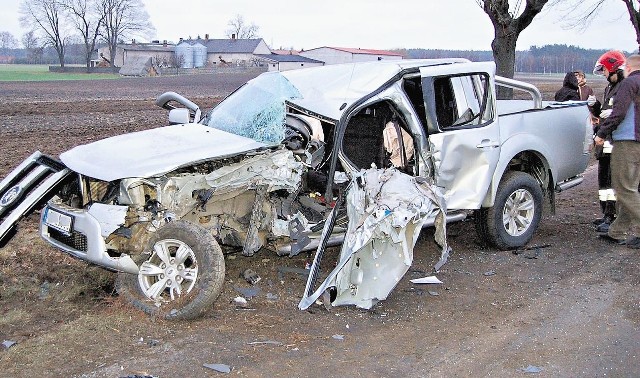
x=59, y=221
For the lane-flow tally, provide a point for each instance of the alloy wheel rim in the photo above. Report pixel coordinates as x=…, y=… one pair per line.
x=518, y=212
x=170, y=271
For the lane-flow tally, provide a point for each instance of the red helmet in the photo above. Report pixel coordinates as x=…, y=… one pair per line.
x=611, y=60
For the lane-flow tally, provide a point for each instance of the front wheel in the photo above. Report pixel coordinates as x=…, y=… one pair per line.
x=515, y=215
x=180, y=276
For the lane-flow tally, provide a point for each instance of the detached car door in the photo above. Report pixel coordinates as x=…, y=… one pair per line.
x=463, y=131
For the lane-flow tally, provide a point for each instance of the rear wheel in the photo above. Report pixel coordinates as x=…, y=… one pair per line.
x=515, y=215
x=180, y=276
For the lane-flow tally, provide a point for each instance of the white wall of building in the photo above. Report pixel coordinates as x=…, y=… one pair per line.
x=330, y=55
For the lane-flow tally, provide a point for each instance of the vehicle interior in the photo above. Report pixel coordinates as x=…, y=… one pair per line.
x=365, y=144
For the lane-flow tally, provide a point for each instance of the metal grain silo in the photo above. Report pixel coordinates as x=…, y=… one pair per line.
x=184, y=53
x=199, y=55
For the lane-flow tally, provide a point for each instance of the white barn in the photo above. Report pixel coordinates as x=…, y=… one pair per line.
x=337, y=55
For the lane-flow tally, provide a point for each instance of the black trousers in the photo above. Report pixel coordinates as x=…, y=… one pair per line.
x=607, y=205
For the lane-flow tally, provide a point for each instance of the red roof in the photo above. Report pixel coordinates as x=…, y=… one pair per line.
x=364, y=51
x=285, y=52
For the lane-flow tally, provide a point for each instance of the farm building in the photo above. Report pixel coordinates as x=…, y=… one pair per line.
x=232, y=51
x=279, y=62
x=336, y=55
x=139, y=66
x=189, y=53
x=159, y=51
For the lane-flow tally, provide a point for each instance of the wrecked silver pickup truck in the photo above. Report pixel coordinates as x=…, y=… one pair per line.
x=364, y=155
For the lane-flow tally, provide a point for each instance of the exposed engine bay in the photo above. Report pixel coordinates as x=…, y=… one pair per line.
x=254, y=200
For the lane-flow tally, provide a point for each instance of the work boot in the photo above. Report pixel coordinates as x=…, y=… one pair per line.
x=613, y=240
x=603, y=227
x=633, y=242
x=598, y=221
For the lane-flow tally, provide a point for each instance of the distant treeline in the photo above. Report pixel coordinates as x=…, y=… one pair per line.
x=544, y=59
x=74, y=54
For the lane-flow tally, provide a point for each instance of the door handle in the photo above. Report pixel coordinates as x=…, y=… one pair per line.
x=486, y=143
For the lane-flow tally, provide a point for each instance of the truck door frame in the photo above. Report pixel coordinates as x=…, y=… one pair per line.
x=464, y=153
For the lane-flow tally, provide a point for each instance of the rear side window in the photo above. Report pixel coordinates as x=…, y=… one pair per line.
x=462, y=101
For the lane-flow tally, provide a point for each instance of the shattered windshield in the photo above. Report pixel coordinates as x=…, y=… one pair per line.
x=256, y=110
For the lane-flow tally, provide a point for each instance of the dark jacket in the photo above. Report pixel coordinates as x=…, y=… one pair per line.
x=585, y=91
x=569, y=90
x=609, y=94
x=627, y=104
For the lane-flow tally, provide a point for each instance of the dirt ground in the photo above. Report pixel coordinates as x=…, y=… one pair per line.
x=567, y=306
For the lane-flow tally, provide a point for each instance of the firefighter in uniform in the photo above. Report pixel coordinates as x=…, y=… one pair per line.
x=611, y=66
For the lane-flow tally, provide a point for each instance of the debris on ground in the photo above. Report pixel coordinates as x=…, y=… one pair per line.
x=285, y=269
x=531, y=369
x=532, y=252
x=251, y=276
x=270, y=342
x=240, y=301
x=221, y=368
x=8, y=343
x=44, y=290
x=140, y=375
x=338, y=337
x=426, y=280
x=489, y=273
x=247, y=292
x=272, y=297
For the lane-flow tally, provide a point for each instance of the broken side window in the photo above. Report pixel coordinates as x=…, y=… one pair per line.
x=462, y=100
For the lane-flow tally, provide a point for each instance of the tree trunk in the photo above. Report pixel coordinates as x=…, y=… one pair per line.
x=504, y=53
x=112, y=54
x=507, y=28
x=634, y=17
x=61, y=59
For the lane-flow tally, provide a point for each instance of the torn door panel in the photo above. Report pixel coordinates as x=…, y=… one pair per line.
x=464, y=170
x=386, y=210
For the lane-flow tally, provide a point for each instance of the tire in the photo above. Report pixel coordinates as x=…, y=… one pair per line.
x=515, y=215
x=173, y=285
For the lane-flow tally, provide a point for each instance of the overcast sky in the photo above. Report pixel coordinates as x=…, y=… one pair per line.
x=372, y=24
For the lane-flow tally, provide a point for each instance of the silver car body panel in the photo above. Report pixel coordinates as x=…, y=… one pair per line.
x=153, y=152
x=386, y=210
x=30, y=183
x=551, y=134
x=328, y=90
x=465, y=159
x=93, y=248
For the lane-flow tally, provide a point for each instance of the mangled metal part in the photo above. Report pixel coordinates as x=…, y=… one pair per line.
x=253, y=243
x=276, y=170
x=387, y=210
x=110, y=217
x=33, y=181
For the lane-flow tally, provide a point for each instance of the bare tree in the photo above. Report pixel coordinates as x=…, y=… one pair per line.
x=123, y=19
x=7, y=41
x=508, y=22
x=581, y=13
x=30, y=40
x=47, y=17
x=240, y=30
x=87, y=19
x=31, y=43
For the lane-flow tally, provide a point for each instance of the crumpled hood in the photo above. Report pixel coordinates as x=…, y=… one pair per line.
x=153, y=152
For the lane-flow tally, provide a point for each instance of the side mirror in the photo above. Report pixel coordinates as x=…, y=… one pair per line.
x=179, y=116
